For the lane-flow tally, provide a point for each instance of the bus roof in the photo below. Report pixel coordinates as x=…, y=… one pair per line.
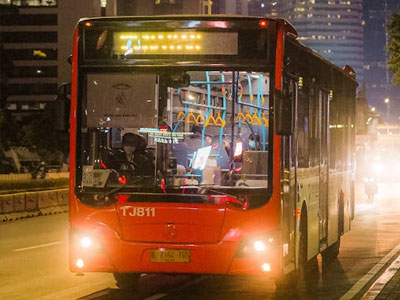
x=290, y=30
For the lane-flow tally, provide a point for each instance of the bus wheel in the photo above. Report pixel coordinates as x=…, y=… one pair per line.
x=127, y=280
x=303, y=277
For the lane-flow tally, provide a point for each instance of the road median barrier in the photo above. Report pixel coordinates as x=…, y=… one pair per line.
x=29, y=204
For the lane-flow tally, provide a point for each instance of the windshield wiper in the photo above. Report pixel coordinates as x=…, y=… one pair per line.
x=121, y=187
x=218, y=192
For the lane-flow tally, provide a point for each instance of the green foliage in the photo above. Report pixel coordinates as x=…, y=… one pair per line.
x=39, y=134
x=8, y=131
x=33, y=184
x=394, y=47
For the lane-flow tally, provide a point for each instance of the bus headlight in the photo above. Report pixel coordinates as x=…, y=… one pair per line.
x=259, y=246
x=266, y=267
x=86, y=242
x=79, y=263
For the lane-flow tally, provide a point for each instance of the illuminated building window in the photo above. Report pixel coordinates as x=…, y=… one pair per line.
x=30, y=2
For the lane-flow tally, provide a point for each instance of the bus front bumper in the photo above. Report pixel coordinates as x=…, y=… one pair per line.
x=226, y=257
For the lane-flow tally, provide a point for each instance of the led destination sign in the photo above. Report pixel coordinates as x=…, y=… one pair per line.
x=175, y=43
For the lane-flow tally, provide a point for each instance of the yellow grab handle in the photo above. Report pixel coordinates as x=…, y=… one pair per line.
x=200, y=119
x=265, y=119
x=210, y=119
x=181, y=116
x=248, y=117
x=219, y=121
x=240, y=117
x=256, y=120
x=190, y=118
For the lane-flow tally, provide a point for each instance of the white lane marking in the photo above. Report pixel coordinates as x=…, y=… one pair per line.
x=380, y=283
x=155, y=297
x=356, y=288
x=75, y=291
x=37, y=246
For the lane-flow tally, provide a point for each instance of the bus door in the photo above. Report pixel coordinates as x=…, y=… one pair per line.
x=323, y=104
x=289, y=181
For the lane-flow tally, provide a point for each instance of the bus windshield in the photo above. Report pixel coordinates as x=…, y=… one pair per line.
x=175, y=136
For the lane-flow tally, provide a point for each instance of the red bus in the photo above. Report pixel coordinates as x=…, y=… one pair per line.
x=206, y=145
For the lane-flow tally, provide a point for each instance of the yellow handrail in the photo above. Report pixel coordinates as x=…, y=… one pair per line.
x=200, y=119
x=210, y=119
x=219, y=121
x=240, y=117
x=265, y=119
x=181, y=116
x=190, y=118
x=256, y=119
x=248, y=117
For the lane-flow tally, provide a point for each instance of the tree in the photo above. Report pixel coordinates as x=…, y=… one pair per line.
x=6, y=66
x=8, y=131
x=39, y=135
x=394, y=47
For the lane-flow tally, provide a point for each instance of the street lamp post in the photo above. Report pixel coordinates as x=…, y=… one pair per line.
x=387, y=102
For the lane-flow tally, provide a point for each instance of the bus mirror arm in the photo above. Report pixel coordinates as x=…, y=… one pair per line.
x=284, y=114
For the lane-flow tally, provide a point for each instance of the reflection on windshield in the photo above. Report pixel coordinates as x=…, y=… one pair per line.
x=185, y=133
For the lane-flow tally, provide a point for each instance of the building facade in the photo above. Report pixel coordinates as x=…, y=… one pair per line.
x=37, y=36
x=333, y=28
x=160, y=7
x=376, y=75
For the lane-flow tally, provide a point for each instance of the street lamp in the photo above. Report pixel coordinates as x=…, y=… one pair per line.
x=373, y=109
x=103, y=5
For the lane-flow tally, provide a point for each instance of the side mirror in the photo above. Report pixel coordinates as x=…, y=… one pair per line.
x=283, y=113
x=62, y=107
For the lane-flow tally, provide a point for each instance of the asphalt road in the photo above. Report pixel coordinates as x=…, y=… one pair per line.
x=33, y=263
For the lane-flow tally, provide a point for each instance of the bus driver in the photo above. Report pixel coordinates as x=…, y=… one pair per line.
x=135, y=157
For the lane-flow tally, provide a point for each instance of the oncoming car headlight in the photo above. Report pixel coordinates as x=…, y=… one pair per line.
x=378, y=168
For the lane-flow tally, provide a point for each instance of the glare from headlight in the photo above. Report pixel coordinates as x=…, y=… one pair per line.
x=259, y=246
x=79, y=263
x=377, y=168
x=266, y=267
x=86, y=242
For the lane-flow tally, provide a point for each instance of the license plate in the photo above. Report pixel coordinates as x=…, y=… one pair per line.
x=170, y=256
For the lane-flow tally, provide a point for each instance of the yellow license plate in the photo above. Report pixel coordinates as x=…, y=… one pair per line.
x=170, y=256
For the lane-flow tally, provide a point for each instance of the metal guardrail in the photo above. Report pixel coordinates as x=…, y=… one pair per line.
x=28, y=204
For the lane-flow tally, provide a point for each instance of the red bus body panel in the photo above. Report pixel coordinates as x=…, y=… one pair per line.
x=212, y=233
